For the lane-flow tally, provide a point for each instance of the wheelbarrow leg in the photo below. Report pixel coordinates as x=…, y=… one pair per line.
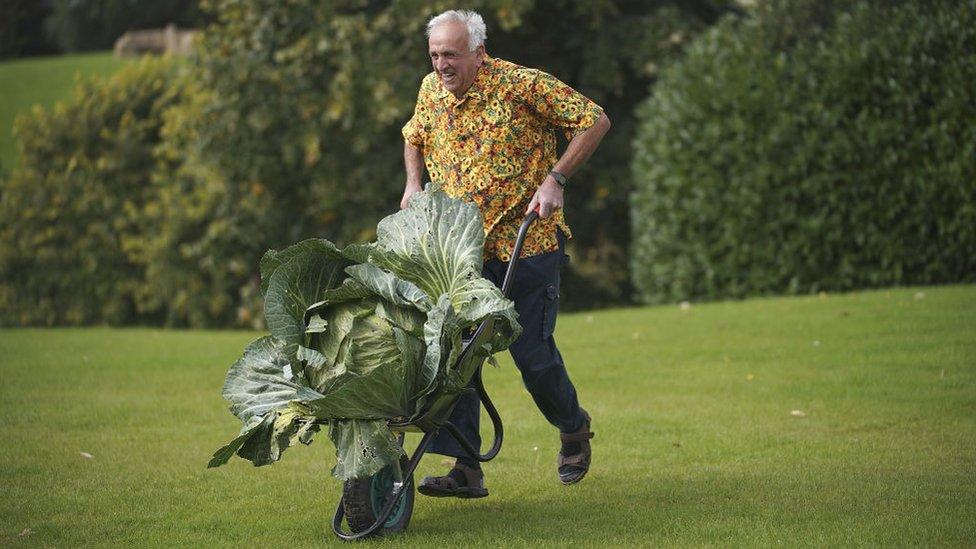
x=496, y=423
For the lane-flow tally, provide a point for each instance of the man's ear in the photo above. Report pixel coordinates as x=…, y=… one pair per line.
x=479, y=52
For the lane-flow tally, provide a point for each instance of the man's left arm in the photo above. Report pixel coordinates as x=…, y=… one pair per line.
x=549, y=196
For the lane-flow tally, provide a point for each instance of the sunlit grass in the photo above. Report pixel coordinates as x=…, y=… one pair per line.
x=697, y=440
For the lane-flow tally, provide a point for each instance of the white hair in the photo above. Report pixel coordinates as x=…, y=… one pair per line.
x=477, y=32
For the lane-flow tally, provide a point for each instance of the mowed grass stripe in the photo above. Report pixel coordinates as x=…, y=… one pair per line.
x=697, y=443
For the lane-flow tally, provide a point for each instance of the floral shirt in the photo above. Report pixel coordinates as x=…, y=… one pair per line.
x=495, y=146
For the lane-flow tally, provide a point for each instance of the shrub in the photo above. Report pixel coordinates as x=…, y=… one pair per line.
x=282, y=138
x=837, y=158
x=68, y=211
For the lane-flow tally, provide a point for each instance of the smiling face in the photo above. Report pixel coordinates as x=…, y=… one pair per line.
x=454, y=64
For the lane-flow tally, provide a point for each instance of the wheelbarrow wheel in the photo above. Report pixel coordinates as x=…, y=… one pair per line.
x=363, y=501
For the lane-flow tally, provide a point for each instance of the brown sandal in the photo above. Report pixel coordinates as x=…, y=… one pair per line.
x=573, y=468
x=447, y=487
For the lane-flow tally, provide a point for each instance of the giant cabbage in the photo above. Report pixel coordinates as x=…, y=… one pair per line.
x=364, y=334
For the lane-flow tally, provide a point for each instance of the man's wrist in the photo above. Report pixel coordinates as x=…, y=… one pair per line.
x=559, y=178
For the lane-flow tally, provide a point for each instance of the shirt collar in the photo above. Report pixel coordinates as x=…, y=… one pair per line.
x=477, y=89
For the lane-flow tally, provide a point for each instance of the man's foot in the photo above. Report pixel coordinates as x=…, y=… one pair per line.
x=460, y=482
x=575, y=454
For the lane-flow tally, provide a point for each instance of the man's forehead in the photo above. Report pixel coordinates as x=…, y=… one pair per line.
x=448, y=36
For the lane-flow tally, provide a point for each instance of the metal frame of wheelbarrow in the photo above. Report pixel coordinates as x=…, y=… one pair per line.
x=435, y=416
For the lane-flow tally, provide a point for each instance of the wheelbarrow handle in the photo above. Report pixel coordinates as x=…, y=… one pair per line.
x=517, y=251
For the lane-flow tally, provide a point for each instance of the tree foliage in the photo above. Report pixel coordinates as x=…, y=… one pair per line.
x=797, y=157
x=22, y=28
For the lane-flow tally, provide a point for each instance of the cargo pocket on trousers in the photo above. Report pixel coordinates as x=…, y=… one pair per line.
x=550, y=308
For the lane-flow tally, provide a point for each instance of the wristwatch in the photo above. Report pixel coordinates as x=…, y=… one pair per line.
x=560, y=178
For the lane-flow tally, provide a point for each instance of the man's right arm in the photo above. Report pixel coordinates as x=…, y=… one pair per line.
x=413, y=160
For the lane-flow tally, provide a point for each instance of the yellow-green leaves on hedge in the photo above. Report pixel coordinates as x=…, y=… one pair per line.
x=69, y=210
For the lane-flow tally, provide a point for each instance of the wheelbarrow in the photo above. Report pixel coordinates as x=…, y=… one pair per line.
x=382, y=504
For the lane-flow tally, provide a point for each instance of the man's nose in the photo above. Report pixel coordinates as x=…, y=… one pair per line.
x=440, y=64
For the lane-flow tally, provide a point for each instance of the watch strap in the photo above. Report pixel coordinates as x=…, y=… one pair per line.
x=560, y=178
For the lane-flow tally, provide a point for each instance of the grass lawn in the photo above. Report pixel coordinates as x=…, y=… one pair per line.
x=697, y=439
x=42, y=81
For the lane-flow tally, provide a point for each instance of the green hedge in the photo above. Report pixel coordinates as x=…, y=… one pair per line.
x=840, y=158
x=75, y=204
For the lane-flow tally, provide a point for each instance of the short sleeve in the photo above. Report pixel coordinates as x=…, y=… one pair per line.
x=416, y=129
x=557, y=103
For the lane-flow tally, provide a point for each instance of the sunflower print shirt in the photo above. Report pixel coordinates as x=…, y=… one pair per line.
x=496, y=145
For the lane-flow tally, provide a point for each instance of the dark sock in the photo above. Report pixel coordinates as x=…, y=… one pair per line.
x=469, y=462
x=458, y=476
x=570, y=448
x=573, y=448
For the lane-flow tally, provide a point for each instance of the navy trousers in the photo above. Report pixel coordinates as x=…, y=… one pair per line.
x=535, y=291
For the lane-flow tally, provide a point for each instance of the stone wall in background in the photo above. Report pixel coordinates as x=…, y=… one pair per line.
x=166, y=40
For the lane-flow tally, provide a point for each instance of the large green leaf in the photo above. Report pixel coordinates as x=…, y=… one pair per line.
x=442, y=337
x=349, y=290
x=390, y=287
x=365, y=374
x=265, y=393
x=297, y=277
x=437, y=244
x=263, y=380
x=250, y=429
x=333, y=342
x=364, y=447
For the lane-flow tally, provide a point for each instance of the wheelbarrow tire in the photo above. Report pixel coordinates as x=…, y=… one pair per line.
x=363, y=500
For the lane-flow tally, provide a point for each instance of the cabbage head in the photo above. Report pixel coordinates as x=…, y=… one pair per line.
x=364, y=334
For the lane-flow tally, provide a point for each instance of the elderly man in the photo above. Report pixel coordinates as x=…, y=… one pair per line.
x=485, y=129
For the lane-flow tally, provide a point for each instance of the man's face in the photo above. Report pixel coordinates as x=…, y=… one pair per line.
x=453, y=63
